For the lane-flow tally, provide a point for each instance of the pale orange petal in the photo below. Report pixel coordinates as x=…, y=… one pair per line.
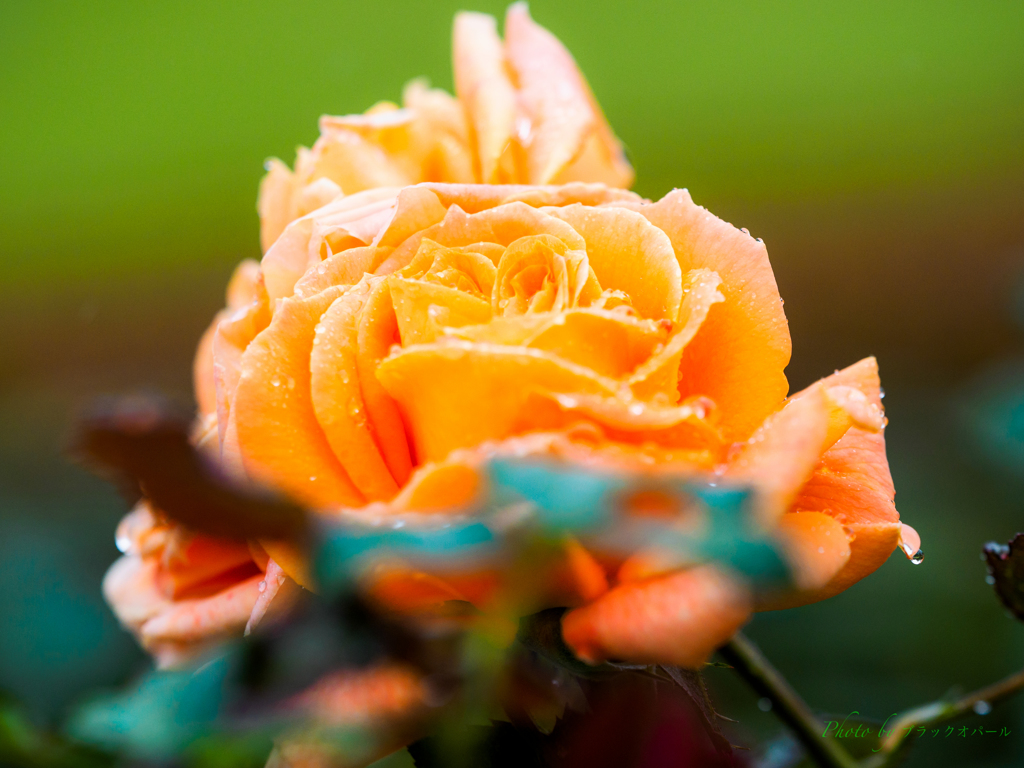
x=853, y=485
x=781, y=455
x=279, y=437
x=338, y=399
x=350, y=221
x=739, y=355
x=658, y=377
x=502, y=225
x=275, y=202
x=676, y=619
x=345, y=268
x=629, y=254
x=378, y=332
x=192, y=620
x=483, y=85
x=563, y=114
x=356, y=163
x=817, y=546
x=457, y=394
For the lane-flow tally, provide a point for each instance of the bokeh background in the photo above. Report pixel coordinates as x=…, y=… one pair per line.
x=876, y=147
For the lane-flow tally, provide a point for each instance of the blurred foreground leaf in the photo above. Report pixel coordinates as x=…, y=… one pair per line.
x=142, y=445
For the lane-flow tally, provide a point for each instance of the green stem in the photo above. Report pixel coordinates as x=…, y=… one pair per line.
x=939, y=712
x=767, y=681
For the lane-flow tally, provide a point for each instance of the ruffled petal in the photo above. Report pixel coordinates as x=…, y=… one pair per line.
x=483, y=85
x=739, y=355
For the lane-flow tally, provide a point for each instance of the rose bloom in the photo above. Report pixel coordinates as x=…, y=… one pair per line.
x=407, y=324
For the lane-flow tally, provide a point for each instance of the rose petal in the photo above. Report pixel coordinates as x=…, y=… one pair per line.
x=739, y=355
x=350, y=221
x=658, y=377
x=629, y=254
x=424, y=310
x=676, y=619
x=274, y=202
x=503, y=225
x=194, y=620
x=378, y=332
x=345, y=268
x=280, y=440
x=483, y=86
x=563, y=114
x=337, y=396
x=853, y=485
x=457, y=394
x=817, y=546
x=781, y=455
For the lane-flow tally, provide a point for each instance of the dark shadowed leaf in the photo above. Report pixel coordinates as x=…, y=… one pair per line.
x=1006, y=567
x=142, y=445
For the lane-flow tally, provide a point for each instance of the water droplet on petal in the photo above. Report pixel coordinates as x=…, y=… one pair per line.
x=910, y=543
x=123, y=543
x=263, y=586
x=276, y=381
x=982, y=707
x=821, y=550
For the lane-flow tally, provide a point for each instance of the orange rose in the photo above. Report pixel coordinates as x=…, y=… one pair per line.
x=393, y=340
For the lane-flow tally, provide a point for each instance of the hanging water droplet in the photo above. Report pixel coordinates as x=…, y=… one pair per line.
x=123, y=543
x=764, y=704
x=982, y=707
x=910, y=543
x=881, y=393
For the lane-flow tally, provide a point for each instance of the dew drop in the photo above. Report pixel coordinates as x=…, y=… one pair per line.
x=990, y=579
x=636, y=409
x=275, y=381
x=881, y=393
x=123, y=543
x=821, y=550
x=982, y=707
x=263, y=586
x=764, y=704
x=910, y=543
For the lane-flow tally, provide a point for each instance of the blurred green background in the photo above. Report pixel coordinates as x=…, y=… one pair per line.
x=877, y=147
